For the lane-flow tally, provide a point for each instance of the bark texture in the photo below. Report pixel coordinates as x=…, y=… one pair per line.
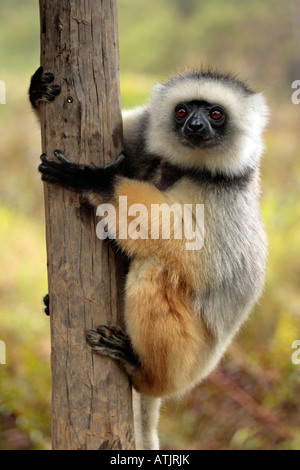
x=91, y=397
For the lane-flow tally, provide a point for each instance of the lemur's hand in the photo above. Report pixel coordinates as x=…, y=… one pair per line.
x=78, y=176
x=65, y=173
x=42, y=88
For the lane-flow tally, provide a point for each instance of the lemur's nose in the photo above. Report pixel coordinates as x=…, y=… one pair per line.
x=196, y=125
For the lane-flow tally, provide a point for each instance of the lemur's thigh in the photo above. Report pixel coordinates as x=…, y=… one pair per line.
x=166, y=334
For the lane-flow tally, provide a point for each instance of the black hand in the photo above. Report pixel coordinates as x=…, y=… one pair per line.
x=41, y=88
x=64, y=172
x=78, y=176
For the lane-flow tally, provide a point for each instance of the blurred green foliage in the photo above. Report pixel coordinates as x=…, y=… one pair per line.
x=251, y=402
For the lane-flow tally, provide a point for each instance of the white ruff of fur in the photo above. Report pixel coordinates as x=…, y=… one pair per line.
x=242, y=145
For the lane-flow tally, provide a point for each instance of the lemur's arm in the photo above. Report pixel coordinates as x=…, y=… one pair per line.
x=107, y=185
x=80, y=177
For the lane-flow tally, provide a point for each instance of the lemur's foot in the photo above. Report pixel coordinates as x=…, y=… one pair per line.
x=46, y=303
x=42, y=87
x=113, y=342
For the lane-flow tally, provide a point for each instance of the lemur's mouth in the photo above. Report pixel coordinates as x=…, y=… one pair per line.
x=198, y=140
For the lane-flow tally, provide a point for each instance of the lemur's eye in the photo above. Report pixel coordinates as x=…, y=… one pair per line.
x=216, y=114
x=180, y=112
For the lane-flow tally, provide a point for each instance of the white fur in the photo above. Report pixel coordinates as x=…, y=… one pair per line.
x=241, y=148
x=130, y=119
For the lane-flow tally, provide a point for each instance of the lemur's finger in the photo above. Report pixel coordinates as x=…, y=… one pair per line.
x=48, y=162
x=77, y=168
x=50, y=169
x=50, y=179
x=49, y=92
x=52, y=173
x=61, y=157
x=62, y=166
x=38, y=73
x=55, y=89
x=47, y=77
x=59, y=174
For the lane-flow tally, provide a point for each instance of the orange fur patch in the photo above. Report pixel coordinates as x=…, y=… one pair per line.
x=170, y=339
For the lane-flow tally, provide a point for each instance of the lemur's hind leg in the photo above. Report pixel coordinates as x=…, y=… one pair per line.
x=113, y=342
x=146, y=417
x=46, y=303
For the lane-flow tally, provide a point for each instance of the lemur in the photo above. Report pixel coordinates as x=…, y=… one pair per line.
x=197, y=141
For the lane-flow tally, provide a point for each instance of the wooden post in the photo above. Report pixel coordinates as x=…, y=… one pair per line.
x=91, y=396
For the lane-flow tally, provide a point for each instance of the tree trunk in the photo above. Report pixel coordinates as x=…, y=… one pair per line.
x=91, y=396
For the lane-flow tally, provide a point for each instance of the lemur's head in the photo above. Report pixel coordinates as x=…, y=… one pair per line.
x=207, y=120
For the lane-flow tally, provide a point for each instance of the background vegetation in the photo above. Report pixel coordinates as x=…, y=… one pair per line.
x=251, y=401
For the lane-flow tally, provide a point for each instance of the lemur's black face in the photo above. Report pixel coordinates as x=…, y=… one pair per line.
x=200, y=124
